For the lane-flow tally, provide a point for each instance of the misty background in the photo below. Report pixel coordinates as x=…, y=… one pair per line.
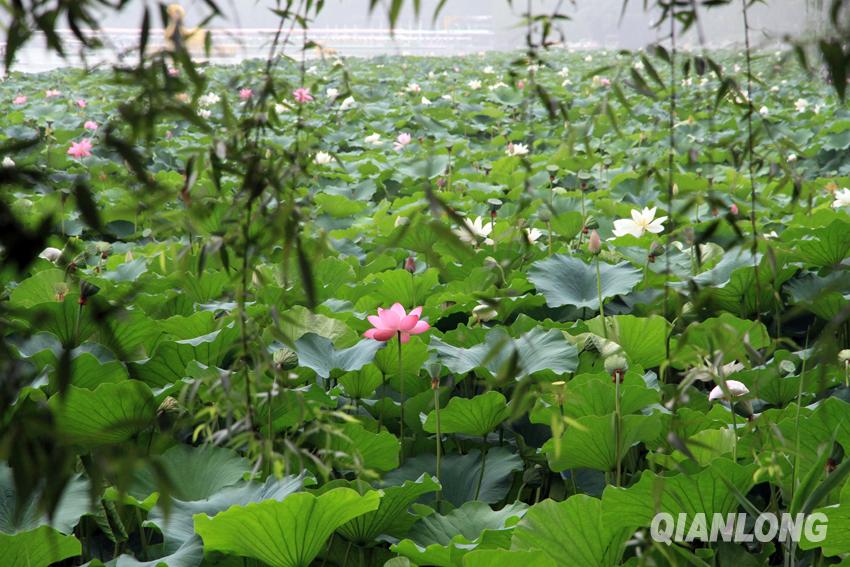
x=463, y=26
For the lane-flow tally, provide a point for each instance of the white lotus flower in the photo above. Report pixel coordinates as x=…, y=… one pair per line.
x=204, y=113
x=474, y=85
x=447, y=97
x=479, y=227
x=588, y=59
x=736, y=389
x=763, y=111
x=564, y=72
x=50, y=254
x=413, y=88
x=641, y=221
x=425, y=101
x=373, y=139
x=801, y=104
x=498, y=85
x=323, y=158
x=281, y=108
x=209, y=99
x=347, y=103
x=8, y=162
x=533, y=234
x=332, y=93
x=842, y=198
x=489, y=70
x=516, y=149
x=791, y=158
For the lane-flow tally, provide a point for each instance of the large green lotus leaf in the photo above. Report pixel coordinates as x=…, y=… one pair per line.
x=88, y=372
x=128, y=271
x=294, y=406
x=538, y=349
x=319, y=354
x=38, y=288
x=177, y=526
x=169, y=361
x=399, y=286
x=707, y=491
x=719, y=275
x=65, y=320
x=566, y=280
x=20, y=515
x=190, y=473
x=459, y=474
x=726, y=333
x=428, y=168
x=109, y=414
x=829, y=421
x=643, y=339
x=189, y=554
x=362, y=383
x=593, y=394
x=290, y=533
x=507, y=558
x=572, y=532
x=40, y=547
x=391, y=517
x=836, y=526
x=444, y=539
x=414, y=355
x=591, y=442
x=824, y=296
x=298, y=321
x=356, y=447
x=820, y=247
x=476, y=416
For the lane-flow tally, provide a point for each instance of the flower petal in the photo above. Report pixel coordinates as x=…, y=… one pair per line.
x=376, y=321
x=416, y=311
x=405, y=338
x=398, y=309
x=408, y=322
x=389, y=318
x=420, y=327
x=383, y=334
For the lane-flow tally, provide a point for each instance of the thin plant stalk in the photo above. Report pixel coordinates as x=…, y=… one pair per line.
x=617, y=427
x=599, y=293
x=401, y=392
x=435, y=386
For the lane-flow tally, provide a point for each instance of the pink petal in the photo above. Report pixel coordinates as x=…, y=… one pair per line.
x=408, y=322
x=399, y=310
x=389, y=318
x=383, y=334
x=416, y=311
x=376, y=321
x=420, y=327
x=405, y=338
x=370, y=334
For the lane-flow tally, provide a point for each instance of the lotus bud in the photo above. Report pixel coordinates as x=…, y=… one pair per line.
x=594, y=243
x=285, y=359
x=410, y=264
x=50, y=254
x=484, y=312
x=733, y=209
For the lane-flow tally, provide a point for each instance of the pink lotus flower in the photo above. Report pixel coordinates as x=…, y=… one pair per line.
x=733, y=209
x=402, y=140
x=302, y=95
x=520, y=84
x=173, y=72
x=51, y=93
x=246, y=94
x=90, y=125
x=605, y=82
x=81, y=103
x=395, y=321
x=20, y=99
x=80, y=149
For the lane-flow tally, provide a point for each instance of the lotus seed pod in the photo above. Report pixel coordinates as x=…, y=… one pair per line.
x=285, y=359
x=616, y=362
x=591, y=222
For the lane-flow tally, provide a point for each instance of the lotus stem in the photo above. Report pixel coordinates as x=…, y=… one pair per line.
x=435, y=386
x=599, y=293
x=401, y=392
x=617, y=427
